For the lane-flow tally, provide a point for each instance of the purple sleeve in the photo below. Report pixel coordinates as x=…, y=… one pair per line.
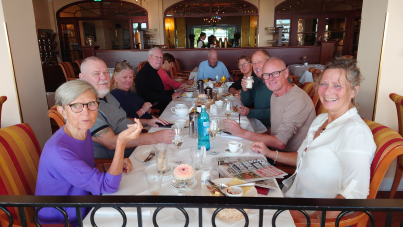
x=79, y=174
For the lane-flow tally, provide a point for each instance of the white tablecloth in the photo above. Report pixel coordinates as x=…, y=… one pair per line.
x=302, y=71
x=193, y=74
x=134, y=183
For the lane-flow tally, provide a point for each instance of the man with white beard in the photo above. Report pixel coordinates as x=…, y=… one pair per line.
x=111, y=119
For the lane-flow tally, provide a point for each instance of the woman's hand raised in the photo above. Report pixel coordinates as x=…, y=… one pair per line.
x=132, y=132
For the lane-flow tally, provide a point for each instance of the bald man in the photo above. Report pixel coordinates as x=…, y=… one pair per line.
x=212, y=67
x=292, y=111
x=112, y=119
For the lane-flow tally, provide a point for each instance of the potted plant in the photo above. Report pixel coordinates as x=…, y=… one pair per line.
x=191, y=40
x=237, y=36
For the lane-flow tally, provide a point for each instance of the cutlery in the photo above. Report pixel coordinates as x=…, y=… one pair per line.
x=239, y=116
x=216, y=187
x=239, y=185
x=150, y=156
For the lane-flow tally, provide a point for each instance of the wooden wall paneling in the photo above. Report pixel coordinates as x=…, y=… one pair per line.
x=191, y=58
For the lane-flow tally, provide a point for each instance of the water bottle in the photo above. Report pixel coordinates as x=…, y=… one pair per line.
x=203, y=123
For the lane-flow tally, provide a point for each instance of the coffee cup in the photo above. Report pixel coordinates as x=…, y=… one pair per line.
x=189, y=94
x=234, y=146
x=181, y=111
x=180, y=123
x=219, y=103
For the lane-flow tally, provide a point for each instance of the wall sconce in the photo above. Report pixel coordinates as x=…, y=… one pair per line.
x=169, y=25
x=254, y=23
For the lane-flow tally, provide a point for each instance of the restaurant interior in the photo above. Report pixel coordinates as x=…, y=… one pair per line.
x=59, y=34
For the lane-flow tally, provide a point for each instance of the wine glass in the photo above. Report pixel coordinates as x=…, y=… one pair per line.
x=212, y=130
x=220, y=125
x=177, y=139
x=227, y=109
x=182, y=185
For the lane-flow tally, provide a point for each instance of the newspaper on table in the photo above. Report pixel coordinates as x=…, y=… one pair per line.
x=247, y=168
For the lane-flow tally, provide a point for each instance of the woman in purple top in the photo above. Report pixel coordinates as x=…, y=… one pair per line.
x=66, y=166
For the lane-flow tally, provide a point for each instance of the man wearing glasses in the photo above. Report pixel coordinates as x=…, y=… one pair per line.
x=148, y=83
x=258, y=95
x=212, y=67
x=292, y=111
x=111, y=118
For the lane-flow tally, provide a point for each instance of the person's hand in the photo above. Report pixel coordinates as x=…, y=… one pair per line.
x=182, y=86
x=132, y=132
x=153, y=122
x=176, y=95
x=146, y=106
x=242, y=110
x=163, y=136
x=149, y=111
x=190, y=82
x=127, y=165
x=233, y=127
x=260, y=147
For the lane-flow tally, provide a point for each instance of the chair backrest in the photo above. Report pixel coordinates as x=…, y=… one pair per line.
x=55, y=115
x=176, y=65
x=79, y=63
x=2, y=100
x=141, y=65
x=309, y=88
x=19, y=154
x=398, y=99
x=315, y=73
x=173, y=72
x=68, y=70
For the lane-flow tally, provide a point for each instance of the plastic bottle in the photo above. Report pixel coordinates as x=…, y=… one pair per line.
x=203, y=123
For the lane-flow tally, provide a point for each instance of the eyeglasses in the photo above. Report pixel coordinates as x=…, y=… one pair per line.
x=78, y=107
x=244, y=64
x=122, y=62
x=157, y=57
x=275, y=74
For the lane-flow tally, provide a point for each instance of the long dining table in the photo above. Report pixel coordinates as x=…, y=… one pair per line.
x=134, y=182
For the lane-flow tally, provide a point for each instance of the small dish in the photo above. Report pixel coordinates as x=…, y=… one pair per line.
x=141, y=155
x=226, y=150
x=234, y=191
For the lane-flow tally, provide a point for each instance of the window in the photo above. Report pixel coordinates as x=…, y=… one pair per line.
x=219, y=32
x=307, y=31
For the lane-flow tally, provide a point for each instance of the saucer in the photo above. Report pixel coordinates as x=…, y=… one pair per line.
x=240, y=150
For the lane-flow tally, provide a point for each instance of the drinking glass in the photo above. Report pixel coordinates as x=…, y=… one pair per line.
x=154, y=179
x=161, y=150
x=223, y=78
x=197, y=157
x=220, y=125
x=177, y=139
x=212, y=130
x=227, y=108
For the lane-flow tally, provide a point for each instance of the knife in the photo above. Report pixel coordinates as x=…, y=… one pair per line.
x=216, y=187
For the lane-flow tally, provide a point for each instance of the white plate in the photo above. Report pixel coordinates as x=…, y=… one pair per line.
x=179, y=100
x=206, y=192
x=141, y=155
x=154, y=166
x=240, y=150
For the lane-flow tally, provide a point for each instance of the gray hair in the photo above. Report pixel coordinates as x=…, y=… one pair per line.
x=151, y=51
x=71, y=90
x=83, y=66
x=348, y=68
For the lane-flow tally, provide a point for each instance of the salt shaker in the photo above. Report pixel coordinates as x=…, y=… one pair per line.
x=205, y=176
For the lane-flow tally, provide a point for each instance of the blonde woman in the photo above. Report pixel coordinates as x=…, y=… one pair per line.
x=122, y=88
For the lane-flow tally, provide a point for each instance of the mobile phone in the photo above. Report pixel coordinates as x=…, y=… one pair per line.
x=164, y=126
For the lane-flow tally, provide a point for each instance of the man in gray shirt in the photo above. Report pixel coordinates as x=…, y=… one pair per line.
x=111, y=119
x=292, y=111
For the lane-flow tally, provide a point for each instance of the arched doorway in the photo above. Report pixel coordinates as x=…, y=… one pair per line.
x=110, y=22
x=220, y=18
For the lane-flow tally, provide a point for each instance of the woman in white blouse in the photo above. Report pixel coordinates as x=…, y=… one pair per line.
x=335, y=158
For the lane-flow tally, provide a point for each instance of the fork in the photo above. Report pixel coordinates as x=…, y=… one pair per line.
x=150, y=156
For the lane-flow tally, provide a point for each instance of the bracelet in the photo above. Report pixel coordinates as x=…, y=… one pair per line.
x=143, y=111
x=276, y=157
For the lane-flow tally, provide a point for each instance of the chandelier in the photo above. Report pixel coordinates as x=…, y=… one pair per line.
x=212, y=20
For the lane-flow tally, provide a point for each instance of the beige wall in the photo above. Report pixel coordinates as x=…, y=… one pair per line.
x=42, y=14
x=369, y=51
x=27, y=66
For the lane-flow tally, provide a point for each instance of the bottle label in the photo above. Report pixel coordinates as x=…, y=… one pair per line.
x=205, y=128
